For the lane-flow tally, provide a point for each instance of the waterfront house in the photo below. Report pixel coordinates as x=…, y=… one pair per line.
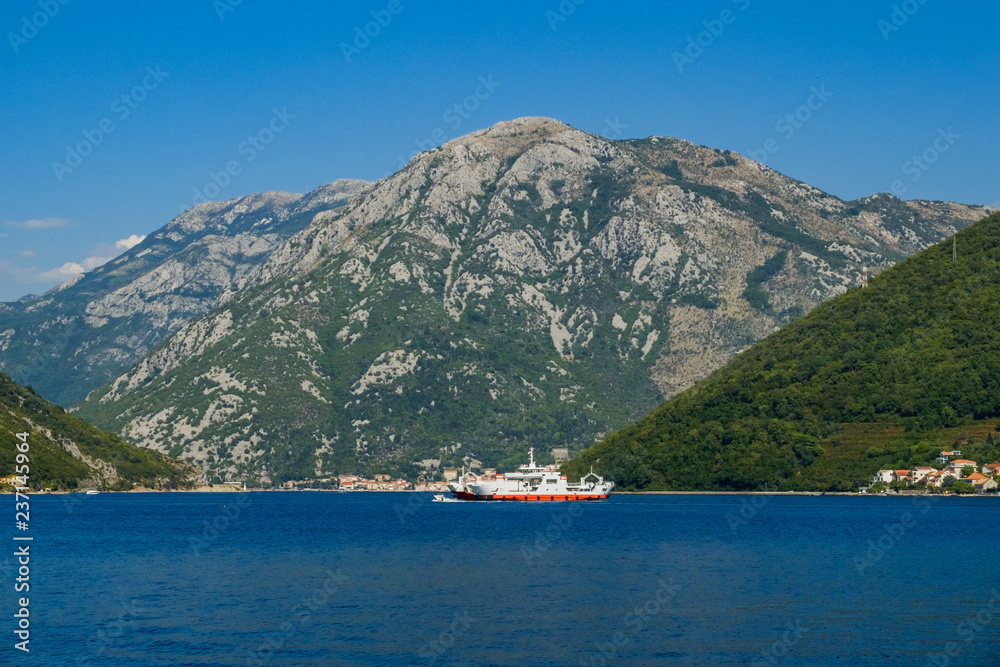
x=986, y=485
x=936, y=478
x=955, y=467
x=882, y=477
x=921, y=472
x=991, y=469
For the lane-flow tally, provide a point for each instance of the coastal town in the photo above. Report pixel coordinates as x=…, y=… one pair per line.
x=434, y=478
x=380, y=482
x=387, y=483
x=957, y=475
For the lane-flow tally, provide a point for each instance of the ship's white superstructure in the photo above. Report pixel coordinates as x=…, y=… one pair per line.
x=531, y=482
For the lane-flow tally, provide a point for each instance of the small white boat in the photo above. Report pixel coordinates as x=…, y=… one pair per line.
x=441, y=498
x=92, y=492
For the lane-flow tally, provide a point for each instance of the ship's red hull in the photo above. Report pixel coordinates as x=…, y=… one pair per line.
x=465, y=495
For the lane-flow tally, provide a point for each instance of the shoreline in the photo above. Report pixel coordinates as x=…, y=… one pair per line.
x=226, y=488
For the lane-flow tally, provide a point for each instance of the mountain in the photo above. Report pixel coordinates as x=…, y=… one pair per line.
x=82, y=334
x=528, y=284
x=65, y=452
x=882, y=377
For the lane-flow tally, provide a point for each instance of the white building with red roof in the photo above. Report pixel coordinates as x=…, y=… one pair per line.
x=956, y=465
x=883, y=477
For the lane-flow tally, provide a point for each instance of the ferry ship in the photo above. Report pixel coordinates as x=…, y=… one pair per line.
x=531, y=482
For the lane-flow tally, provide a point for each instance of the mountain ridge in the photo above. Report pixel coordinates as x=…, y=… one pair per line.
x=528, y=281
x=84, y=332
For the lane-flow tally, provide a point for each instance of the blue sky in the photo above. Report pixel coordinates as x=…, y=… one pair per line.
x=162, y=97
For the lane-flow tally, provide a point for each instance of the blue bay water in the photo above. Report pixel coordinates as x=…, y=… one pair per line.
x=380, y=579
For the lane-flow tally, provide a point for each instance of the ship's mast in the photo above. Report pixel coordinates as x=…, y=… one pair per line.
x=531, y=457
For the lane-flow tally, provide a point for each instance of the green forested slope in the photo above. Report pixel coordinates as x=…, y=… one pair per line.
x=877, y=377
x=52, y=433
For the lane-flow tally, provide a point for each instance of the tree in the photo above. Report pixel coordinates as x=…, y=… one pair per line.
x=963, y=487
x=967, y=470
x=949, y=481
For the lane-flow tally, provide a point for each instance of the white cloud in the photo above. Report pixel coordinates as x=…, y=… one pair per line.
x=131, y=242
x=63, y=273
x=73, y=269
x=99, y=255
x=94, y=262
x=38, y=223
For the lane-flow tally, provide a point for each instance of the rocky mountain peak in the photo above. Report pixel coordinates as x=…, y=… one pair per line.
x=528, y=281
x=225, y=217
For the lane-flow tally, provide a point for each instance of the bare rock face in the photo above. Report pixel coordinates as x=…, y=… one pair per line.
x=528, y=284
x=87, y=331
